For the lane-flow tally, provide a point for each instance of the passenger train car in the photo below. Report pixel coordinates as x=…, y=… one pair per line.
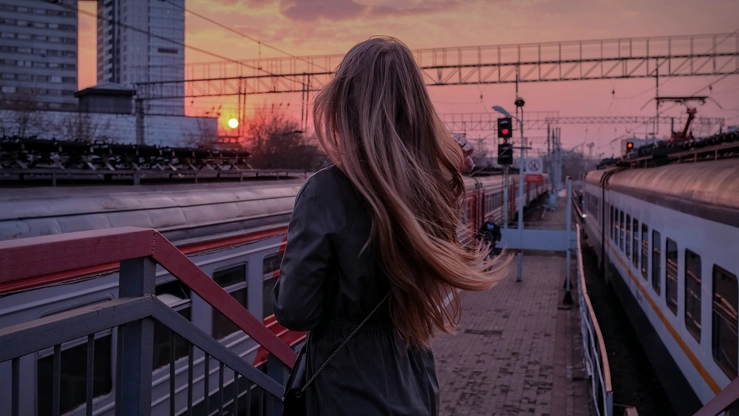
x=235, y=232
x=667, y=239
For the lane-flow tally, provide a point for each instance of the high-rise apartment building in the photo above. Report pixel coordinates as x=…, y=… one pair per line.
x=135, y=45
x=38, y=54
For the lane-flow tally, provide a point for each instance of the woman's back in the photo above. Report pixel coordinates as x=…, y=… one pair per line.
x=381, y=224
x=328, y=284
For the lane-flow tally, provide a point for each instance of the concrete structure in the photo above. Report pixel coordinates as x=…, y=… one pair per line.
x=106, y=98
x=38, y=54
x=176, y=131
x=126, y=55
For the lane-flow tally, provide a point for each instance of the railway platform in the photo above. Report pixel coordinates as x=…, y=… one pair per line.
x=518, y=348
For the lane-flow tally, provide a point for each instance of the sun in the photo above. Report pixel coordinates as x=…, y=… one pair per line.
x=233, y=123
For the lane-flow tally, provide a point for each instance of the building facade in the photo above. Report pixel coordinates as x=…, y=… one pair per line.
x=38, y=54
x=141, y=47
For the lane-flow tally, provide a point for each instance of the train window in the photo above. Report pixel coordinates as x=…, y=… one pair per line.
x=621, y=230
x=693, y=294
x=233, y=280
x=635, y=244
x=613, y=225
x=73, y=391
x=628, y=236
x=177, y=296
x=656, y=261
x=724, y=342
x=232, y=275
x=671, y=275
x=644, y=249
x=271, y=270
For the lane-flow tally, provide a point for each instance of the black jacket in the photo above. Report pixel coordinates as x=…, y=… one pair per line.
x=327, y=285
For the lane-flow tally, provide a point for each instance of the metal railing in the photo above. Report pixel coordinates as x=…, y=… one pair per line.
x=726, y=402
x=594, y=347
x=224, y=383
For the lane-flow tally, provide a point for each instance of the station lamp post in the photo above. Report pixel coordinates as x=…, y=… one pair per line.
x=519, y=106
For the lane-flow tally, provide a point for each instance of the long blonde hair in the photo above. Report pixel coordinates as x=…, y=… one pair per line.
x=376, y=123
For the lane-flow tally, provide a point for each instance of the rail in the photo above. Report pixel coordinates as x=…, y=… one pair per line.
x=132, y=317
x=596, y=358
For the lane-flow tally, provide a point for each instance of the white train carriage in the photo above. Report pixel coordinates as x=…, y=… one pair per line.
x=234, y=232
x=667, y=239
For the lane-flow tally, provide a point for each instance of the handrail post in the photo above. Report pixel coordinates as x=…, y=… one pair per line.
x=278, y=371
x=135, y=342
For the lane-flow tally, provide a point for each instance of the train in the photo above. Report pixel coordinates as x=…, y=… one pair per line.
x=235, y=232
x=665, y=229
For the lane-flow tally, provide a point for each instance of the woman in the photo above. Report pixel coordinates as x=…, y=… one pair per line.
x=382, y=220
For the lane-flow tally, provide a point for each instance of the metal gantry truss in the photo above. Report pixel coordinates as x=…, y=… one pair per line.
x=539, y=120
x=646, y=57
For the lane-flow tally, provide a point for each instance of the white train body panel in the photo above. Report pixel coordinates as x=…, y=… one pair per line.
x=684, y=218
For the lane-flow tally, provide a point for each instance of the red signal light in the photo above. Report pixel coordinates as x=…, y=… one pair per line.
x=504, y=131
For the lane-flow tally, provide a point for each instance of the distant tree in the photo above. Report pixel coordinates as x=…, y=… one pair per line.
x=18, y=112
x=84, y=127
x=204, y=135
x=276, y=141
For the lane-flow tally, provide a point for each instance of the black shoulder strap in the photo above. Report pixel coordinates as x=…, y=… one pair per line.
x=313, y=377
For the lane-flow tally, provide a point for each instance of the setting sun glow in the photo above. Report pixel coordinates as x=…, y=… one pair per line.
x=233, y=123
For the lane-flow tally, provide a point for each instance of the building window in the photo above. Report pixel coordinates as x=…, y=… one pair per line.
x=167, y=50
x=656, y=261
x=671, y=275
x=724, y=340
x=271, y=272
x=693, y=294
x=233, y=280
x=74, y=373
x=644, y=249
x=177, y=296
x=635, y=244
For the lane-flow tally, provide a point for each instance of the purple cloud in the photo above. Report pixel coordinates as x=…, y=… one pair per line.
x=312, y=10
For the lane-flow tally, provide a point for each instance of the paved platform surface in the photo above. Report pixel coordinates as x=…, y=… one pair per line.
x=518, y=349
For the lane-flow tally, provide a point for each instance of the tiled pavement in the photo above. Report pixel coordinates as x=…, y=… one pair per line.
x=517, y=350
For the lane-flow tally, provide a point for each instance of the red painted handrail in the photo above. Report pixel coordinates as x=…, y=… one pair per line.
x=721, y=401
x=28, y=259
x=24, y=284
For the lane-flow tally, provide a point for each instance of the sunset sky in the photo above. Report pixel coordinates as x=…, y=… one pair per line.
x=314, y=27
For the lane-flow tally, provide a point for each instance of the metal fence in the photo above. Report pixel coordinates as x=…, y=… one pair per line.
x=594, y=347
x=224, y=384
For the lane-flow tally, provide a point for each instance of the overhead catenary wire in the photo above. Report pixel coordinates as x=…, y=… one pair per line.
x=164, y=38
x=253, y=39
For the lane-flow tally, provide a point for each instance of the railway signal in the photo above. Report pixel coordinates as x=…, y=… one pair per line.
x=505, y=130
x=505, y=154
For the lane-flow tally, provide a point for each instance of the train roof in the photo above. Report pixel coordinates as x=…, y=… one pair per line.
x=182, y=212
x=712, y=183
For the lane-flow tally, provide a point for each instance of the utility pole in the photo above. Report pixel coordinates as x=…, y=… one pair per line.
x=521, y=168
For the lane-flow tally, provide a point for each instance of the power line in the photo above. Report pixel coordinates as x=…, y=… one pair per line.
x=184, y=45
x=232, y=30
